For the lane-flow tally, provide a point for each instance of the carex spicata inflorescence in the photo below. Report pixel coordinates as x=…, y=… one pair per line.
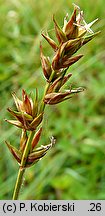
x=29, y=115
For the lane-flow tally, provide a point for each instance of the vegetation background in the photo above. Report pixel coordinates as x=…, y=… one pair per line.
x=75, y=166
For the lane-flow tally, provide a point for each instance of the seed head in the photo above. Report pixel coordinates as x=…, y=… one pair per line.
x=55, y=98
x=27, y=115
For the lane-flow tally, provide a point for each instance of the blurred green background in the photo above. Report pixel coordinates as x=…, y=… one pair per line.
x=75, y=166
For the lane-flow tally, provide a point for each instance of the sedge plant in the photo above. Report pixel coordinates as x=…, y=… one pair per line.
x=30, y=112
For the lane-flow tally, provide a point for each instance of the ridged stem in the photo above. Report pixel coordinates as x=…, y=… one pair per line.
x=22, y=166
x=42, y=106
x=27, y=149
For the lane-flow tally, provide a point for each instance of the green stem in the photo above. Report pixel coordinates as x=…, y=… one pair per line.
x=42, y=106
x=28, y=147
x=18, y=183
x=22, y=166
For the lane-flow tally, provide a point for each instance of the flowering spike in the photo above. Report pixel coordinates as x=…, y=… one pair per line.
x=65, y=79
x=85, y=28
x=71, y=30
x=24, y=118
x=16, y=123
x=46, y=65
x=70, y=39
x=54, y=98
x=65, y=51
x=37, y=120
x=39, y=152
x=59, y=33
x=23, y=140
x=71, y=61
x=79, y=17
x=72, y=45
x=36, y=138
x=35, y=156
x=26, y=103
x=18, y=102
x=89, y=38
x=58, y=83
x=30, y=163
x=54, y=85
x=20, y=115
x=15, y=152
x=51, y=42
x=58, y=57
x=66, y=62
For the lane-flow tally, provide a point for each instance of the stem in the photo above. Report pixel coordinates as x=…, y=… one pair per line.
x=42, y=106
x=18, y=183
x=22, y=166
x=28, y=147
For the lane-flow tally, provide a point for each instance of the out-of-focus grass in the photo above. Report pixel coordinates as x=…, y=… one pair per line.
x=75, y=167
